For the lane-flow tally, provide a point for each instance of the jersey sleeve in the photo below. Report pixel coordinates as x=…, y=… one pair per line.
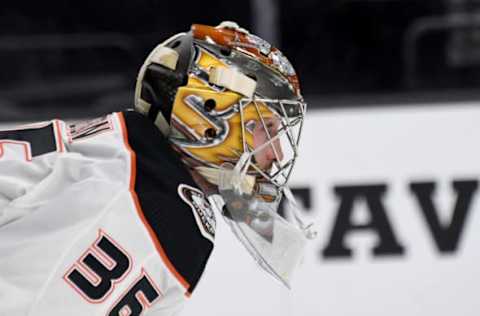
x=27, y=155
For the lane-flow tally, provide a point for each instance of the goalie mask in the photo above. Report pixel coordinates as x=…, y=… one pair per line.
x=230, y=104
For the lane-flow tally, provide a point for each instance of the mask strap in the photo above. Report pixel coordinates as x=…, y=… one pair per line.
x=243, y=163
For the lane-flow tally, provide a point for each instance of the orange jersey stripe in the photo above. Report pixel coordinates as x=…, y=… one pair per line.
x=133, y=156
x=59, y=137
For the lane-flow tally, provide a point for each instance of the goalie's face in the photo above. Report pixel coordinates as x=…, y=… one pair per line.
x=265, y=156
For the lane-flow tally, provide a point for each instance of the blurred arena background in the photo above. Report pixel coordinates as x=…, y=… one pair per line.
x=390, y=159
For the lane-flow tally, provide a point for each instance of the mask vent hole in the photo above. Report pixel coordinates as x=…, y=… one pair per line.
x=209, y=105
x=210, y=133
x=225, y=51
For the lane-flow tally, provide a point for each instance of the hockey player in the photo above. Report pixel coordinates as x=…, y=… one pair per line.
x=116, y=216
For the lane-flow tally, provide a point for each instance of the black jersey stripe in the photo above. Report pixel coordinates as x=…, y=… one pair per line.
x=159, y=172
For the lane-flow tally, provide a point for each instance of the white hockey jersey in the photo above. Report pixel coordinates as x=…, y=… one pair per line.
x=98, y=218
